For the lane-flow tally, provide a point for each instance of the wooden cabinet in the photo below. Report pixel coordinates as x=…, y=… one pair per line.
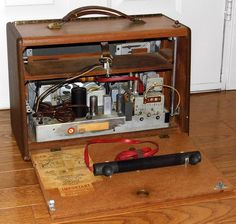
x=37, y=53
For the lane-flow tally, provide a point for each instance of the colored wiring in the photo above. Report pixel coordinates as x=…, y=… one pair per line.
x=125, y=155
x=165, y=86
x=59, y=85
x=134, y=153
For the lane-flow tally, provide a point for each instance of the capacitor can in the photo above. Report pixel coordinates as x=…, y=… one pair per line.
x=79, y=101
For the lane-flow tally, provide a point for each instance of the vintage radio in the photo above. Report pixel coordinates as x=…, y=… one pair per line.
x=76, y=79
x=79, y=80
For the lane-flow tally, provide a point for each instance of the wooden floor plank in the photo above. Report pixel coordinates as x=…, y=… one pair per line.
x=23, y=177
x=9, y=149
x=40, y=211
x=210, y=129
x=196, y=213
x=10, y=157
x=216, y=107
x=232, y=123
x=214, y=141
x=14, y=165
x=189, y=214
x=20, y=196
x=19, y=215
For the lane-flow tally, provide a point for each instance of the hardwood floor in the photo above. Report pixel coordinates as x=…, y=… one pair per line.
x=213, y=131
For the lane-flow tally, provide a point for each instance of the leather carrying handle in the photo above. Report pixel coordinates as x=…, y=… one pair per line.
x=89, y=10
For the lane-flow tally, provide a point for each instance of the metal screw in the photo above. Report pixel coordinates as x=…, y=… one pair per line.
x=29, y=52
x=220, y=186
x=186, y=161
x=51, y=205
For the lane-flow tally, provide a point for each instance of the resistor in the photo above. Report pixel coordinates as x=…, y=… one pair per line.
x=87, y=79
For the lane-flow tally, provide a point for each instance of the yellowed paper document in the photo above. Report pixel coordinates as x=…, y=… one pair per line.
x=65, y=170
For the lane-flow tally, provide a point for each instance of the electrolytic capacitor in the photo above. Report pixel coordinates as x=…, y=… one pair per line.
x=93, y=103
x=79, y=100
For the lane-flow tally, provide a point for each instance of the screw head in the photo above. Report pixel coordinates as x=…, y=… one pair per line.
x=51, y=205
x=220, y=186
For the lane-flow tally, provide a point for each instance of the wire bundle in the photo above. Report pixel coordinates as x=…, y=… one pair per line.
x=55, y=87
x=62, y=112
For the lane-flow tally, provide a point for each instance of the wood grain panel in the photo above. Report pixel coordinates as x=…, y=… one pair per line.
x=40, y=211
x=7, y=139
x=14, y=165
x=211, y=129
x=86, y=30
x=212, y=212
x=43, y=69
x=213, y=108
x=232, y=123
x=17, y=88
x=169, y=184
x=213, y=141
x=20, y=215
x=10, y=156
x=20, y=196
x=189, y=214
x=18, y=178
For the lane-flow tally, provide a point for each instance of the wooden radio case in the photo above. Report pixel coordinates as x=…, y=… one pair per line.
x=114, y=54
